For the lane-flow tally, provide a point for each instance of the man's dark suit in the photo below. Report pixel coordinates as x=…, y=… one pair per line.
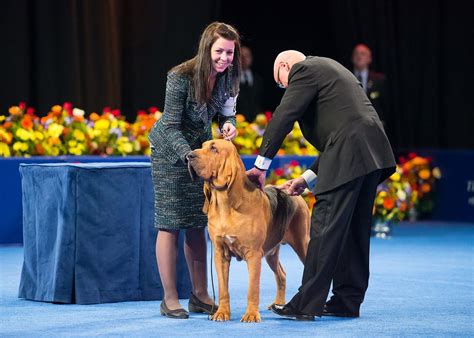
x=335, y=116
x=377, y=94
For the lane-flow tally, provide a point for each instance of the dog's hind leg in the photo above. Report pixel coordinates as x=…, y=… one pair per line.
x=273, y=260
x=297, y=235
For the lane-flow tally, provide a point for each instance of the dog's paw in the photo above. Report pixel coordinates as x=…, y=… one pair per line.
x=251, y=317
x=221, y=315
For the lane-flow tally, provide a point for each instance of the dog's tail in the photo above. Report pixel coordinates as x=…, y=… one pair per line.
x=282, y=207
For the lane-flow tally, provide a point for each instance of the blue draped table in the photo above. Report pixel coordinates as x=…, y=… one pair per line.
x=88, y=234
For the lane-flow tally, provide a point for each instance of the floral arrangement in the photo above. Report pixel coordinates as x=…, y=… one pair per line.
x=66, y=131
x=288, y=172
x=250, y=134
x=410, y=190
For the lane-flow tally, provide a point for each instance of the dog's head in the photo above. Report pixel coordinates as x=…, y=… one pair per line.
x=218, y=163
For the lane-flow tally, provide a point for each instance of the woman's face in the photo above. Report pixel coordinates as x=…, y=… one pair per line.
x=222, y=54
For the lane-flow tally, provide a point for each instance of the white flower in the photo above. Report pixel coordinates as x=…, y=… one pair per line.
x=78, y=112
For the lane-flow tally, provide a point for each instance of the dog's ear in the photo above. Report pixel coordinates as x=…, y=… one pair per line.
x=235, y=183
x=207, y=198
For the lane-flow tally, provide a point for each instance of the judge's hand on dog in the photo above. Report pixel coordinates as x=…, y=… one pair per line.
x=294, y=187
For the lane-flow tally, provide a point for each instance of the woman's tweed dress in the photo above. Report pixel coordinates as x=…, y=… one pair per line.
x=184, y=126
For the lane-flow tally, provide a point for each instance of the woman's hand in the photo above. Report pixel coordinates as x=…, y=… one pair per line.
x=228, y=131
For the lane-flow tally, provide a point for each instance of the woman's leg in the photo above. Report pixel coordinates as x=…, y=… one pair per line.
x=195, y=251
x=166, y=257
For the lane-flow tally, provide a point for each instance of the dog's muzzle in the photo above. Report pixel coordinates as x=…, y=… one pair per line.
x=190, y=157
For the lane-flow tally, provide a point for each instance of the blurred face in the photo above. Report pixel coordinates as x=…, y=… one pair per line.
x=246, y=58
x=361, y=57
x=222, y=54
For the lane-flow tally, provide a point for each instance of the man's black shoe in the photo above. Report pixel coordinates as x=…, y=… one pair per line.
x=331, y=311
x=288, y=312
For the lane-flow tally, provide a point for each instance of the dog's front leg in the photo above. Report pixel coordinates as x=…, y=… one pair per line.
x=254, y=265
x=222, y=267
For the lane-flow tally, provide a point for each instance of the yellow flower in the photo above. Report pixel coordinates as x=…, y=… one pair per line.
x=280, y=181
x=2, y=118
x=125, y=148
x=395, y=177
x=38, y=135
x=4, y=150
x=20, y=146
x=55, y=130
x=114, y=124
x=437, y=173
x=78, y=135
x=102, y=124
x=23, y=134
x=72, y=143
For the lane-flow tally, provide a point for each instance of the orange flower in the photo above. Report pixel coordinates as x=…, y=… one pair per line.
x=240, y=118
x=45, y=119
x=419, y=161
x=26, y=123
x=57, y=109
x=388, y=203
x=424, y=174
x=425, y=187
x=15, y=110
x=403, y=206
x=78, y=118
x=7, y=125
x=94, y=117
x=39, y=149
x=281, y=152
x=54, y=141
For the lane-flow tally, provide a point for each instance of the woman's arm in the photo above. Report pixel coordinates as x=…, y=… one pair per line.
x=175, y=105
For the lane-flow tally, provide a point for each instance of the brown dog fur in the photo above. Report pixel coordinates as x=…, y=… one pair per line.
x=243, y=222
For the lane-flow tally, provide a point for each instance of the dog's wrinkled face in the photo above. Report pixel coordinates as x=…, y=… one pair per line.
x=209, y=162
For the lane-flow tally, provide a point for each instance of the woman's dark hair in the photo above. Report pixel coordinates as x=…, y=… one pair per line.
x=199, y=68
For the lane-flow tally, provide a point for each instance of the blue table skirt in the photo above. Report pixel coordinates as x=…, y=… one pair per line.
x=89, y=236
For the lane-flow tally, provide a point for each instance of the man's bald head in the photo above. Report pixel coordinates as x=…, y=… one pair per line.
x=283, y=64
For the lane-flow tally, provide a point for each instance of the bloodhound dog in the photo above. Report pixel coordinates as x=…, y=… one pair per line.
x=247, y=223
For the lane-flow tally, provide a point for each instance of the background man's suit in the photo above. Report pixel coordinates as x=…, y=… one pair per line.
x=335, y=116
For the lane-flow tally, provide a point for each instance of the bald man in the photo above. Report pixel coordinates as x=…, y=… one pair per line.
x=336, y=117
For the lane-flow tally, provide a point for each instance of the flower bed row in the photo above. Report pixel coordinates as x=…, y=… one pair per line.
x=66, y=130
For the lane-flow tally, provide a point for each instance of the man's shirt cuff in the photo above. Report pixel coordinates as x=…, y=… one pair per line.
x=262, y=163
x=310, y=177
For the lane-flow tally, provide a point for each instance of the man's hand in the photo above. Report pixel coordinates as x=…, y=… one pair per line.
x=294, y=187
x=257, y=176
x=228, y=131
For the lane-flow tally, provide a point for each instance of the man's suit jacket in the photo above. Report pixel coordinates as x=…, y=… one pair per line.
x=377, y=94
x=336, y=117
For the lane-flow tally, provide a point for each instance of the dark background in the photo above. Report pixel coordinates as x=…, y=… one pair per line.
x=116, y=53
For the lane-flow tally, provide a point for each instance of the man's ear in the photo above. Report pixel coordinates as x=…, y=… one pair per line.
x=207, y=198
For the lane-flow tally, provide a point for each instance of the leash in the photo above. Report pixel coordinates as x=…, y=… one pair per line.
x=209, y=317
